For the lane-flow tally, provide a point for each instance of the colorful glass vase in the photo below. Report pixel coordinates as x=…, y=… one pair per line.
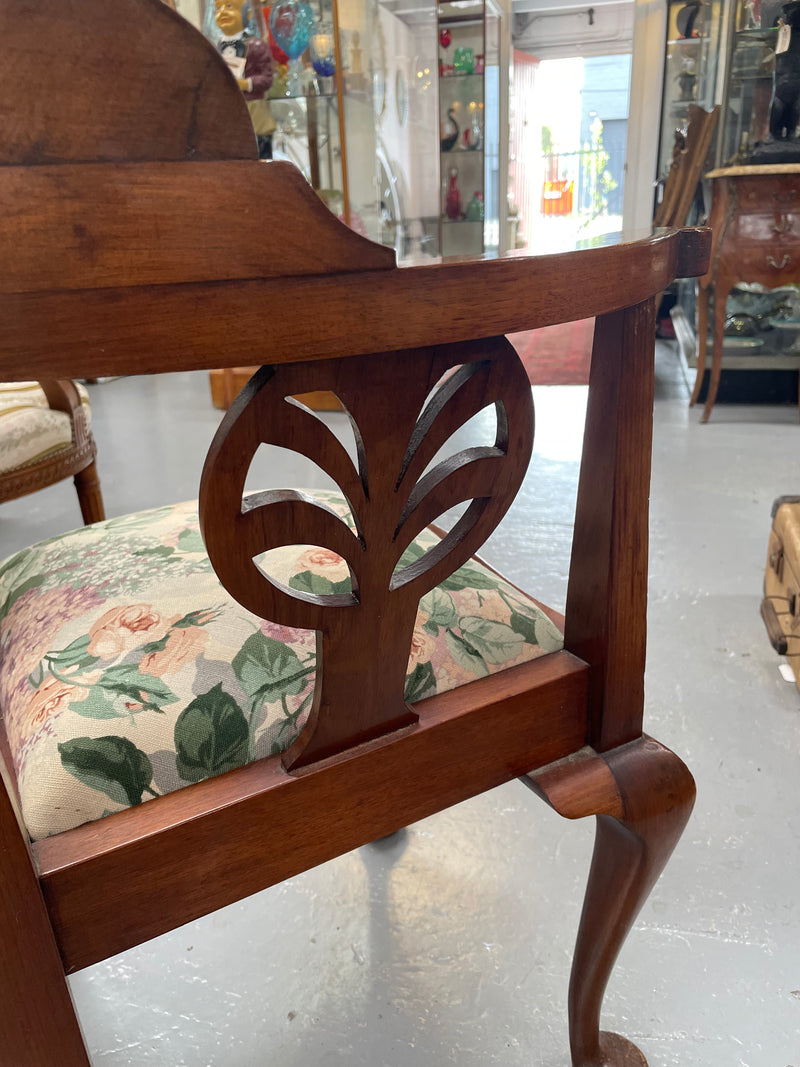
x=475, y=209
x=464, y=61
x=448, y=131
x=452, y=203
x=322, y=50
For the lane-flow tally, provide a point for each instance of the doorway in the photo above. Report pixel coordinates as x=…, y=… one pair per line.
x=569, y=129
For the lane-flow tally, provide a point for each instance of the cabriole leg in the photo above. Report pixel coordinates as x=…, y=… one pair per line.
x=642, y=795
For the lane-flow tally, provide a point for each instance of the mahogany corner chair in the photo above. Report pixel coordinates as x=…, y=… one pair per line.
x=118, y=248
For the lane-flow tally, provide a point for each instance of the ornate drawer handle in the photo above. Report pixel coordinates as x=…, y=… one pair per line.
x=778, y=266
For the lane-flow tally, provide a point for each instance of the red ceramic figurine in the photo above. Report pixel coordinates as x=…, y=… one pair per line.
x=452, y=204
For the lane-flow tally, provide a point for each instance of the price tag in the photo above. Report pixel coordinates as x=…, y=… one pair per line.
x=784, y=38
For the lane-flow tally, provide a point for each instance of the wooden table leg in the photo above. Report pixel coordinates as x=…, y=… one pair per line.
x=703, y=297
x=720, y=302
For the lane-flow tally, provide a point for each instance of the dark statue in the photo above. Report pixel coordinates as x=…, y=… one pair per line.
x=783, y=145
x=784, y=111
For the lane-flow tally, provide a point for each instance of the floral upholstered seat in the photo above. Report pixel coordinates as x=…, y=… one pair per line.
x=129, y=672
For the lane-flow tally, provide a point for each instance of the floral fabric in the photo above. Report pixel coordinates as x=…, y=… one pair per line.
x=126, y=670
x=30, y=430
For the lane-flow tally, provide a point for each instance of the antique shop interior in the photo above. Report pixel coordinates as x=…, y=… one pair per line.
x=485, y=128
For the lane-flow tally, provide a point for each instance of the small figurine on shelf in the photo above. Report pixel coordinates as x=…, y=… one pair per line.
x=749, y=16
x=356, y=79
x=687, y=80
x=691, y=19
x=475, y=209
x=473, y=135
x=464, y=61
x=448, y=133
x=452, y=204
x=323, y=56
x=250, y=61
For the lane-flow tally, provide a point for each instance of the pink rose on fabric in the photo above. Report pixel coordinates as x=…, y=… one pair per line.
x=51, y=698
x=423, y=645
x=116, y=631
x=322, y=561
x=182, y=645
x=320, y=557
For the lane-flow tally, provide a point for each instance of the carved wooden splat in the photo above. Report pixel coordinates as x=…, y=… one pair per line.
x=364, y=637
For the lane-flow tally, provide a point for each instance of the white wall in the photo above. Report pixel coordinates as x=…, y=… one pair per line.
x=647, y=75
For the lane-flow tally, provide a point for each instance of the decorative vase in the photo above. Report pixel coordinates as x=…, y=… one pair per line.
x=464, y=61
x=452, y=203
x=448, y=132
x=475, y=208
x=292, y=24
x=322, y=50
x=473, y=135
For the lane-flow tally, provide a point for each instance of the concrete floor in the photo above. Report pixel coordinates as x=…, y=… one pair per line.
x=451, y=943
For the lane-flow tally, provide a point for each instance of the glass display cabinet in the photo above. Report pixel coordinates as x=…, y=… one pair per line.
x=753, y=341
x=752, y=45
x=397, y=114
x=462, y=35
x=691, y=69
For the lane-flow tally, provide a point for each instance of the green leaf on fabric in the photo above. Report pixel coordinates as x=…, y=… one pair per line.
x=128, y=681
x=113, y=765
x=525, y=626
x=309, y=582
x=155, y=646
x=411, y=555
x=191, y=541
x=493, y=640
x=465, y=655
x=440, y=608
x=30, y=583
x=210, y=736
x=14, y=561
x=548, y=635
x=269, y=669
x=198, y=617
x=420, y=683
x=161, y=551
x=470, y=578
x=74, y=655
x=35, y=678
x=98, y=705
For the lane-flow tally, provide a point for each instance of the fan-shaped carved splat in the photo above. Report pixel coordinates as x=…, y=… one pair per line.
x=364, y=637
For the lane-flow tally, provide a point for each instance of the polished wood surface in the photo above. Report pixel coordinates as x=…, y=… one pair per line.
x=114, y=82
x=755, y=222
x=335, y=314
x=245, y=823
x=391, y=503
x=112, y=329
